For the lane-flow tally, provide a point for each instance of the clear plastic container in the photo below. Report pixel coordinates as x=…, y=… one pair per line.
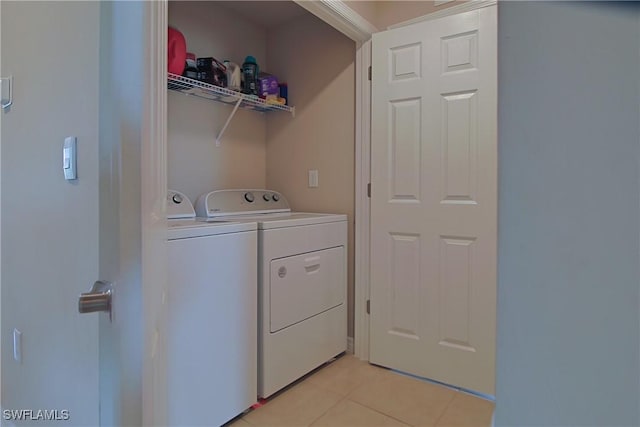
x=233, y=75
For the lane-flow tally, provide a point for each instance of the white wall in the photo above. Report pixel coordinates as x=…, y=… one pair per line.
x=196, y=165
x=317, y=62
x=396, y=11
x=568, y=322
x=366, y=9
x=50, y=226
x=383, y=13
x=0, y=213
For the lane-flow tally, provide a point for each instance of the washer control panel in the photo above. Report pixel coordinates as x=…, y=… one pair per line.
x=179, y=206
x=239, y=202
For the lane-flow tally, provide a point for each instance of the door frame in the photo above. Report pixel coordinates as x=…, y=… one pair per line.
x=153, y=171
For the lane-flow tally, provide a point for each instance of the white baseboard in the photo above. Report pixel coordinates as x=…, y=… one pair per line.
x=350, y=345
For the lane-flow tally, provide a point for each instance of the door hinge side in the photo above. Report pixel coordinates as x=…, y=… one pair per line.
x=369, y=190
x=369, y=72
x=368, y=306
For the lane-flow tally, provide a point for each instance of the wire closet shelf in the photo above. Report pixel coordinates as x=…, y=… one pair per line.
x=224, y=95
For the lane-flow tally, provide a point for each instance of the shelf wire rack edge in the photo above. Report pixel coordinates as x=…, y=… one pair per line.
x=217, y=93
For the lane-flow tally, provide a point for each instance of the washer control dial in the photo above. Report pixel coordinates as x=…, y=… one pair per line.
x=177, y=199
x=249, y=197
x=275, y=197
x=266, y=197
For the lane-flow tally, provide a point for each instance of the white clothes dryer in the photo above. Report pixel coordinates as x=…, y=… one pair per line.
x=302, y=282
x=212, y=320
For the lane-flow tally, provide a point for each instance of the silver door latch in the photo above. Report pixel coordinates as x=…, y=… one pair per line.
x=97, y=299
x=6, y=102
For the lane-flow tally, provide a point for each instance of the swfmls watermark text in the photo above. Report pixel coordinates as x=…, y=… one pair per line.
x=35, y=414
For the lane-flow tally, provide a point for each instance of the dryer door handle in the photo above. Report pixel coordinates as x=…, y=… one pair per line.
x=312, y=264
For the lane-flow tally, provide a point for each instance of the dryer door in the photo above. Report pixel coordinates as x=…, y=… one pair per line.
x=304, y=285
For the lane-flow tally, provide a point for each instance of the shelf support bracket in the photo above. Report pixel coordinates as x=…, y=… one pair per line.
x=233, y=113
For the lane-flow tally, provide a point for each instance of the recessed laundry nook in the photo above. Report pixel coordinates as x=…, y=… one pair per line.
x=261, y=156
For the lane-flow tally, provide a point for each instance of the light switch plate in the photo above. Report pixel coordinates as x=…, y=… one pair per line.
x=17, y=345
x=313, y=178
x=69, y=158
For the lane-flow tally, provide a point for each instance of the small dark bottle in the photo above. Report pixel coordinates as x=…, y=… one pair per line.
x=250, y=75
x=190, y=69
x=284, y=92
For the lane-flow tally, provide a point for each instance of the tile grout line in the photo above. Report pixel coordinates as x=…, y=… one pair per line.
x=305, y=379
x=330, y=408
x=242, y=419
x=379, y=412
x=369, y=407
x=439, y=385
x=348, y=396
x=345, y=397
x=444, y=411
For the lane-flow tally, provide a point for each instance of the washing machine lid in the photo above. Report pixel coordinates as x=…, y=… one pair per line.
x=198, y=227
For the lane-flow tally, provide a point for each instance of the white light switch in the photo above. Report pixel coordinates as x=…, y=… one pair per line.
x=313, y=178
x=69, y=158
x=17, y=345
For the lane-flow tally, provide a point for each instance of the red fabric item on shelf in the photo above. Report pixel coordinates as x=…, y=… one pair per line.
x=177, y=52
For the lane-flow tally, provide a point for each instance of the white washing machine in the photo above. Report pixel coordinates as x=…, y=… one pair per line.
x=302, y=282
x=212, y=320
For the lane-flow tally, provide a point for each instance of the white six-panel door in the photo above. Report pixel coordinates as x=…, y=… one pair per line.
x=434, y=199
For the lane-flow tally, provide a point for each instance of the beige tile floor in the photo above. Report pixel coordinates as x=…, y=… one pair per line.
x=349, y=392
